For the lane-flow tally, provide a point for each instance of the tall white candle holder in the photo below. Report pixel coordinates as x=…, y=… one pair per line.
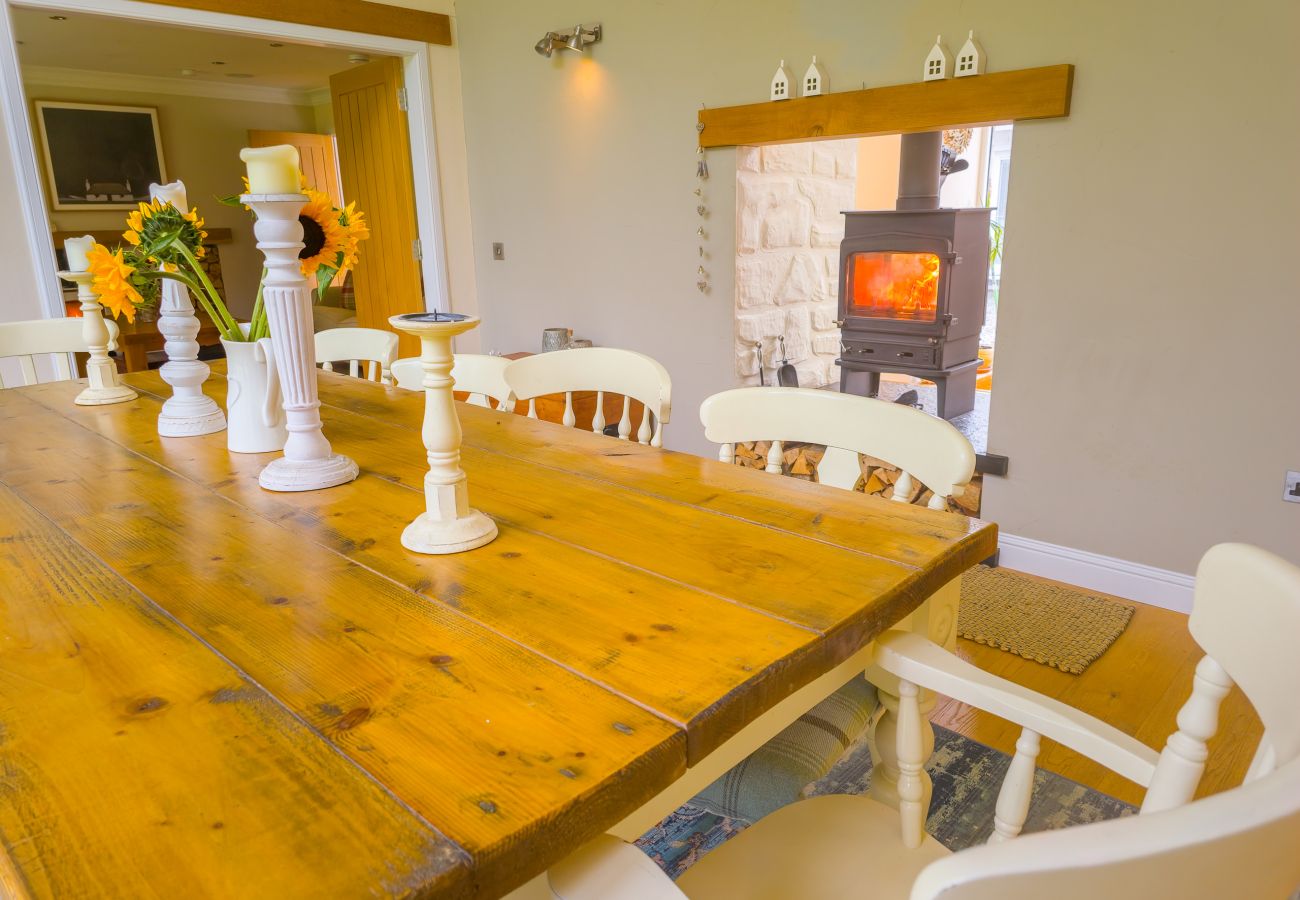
x=101, y=371
x=309, y=462
x=448, y=524
x=188, y=411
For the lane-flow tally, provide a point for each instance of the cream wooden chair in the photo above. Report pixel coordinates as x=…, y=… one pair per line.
x=1241, y=843
x=605, y=370
x=377, y=348
x=483, y=376
x=28, y=340
x=927, y=449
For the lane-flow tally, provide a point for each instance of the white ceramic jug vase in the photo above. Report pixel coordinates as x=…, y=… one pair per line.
x=255, y=419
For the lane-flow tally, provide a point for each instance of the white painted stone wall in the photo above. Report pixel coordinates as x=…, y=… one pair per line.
x=788, y=231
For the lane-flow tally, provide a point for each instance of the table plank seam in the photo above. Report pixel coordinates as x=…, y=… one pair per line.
x=18, y=495
x=636, y=490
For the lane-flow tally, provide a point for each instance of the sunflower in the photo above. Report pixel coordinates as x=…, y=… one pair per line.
x=156, y=226
x=355, y=231
x=324, y=238
x=112, y=282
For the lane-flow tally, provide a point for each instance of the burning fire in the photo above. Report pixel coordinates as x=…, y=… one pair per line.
x=895, y=285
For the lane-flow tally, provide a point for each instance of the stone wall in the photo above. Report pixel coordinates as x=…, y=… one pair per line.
x=788, y=230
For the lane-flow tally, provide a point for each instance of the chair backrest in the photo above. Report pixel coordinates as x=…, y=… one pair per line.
x=1246, y=617
x=27, y=340
x=1239, y=843
x=926, y=448
x=376, y=347
x=481, y=375
x=602, y=369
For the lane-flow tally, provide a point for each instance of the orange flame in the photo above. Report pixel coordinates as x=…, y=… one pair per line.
x=895, y=286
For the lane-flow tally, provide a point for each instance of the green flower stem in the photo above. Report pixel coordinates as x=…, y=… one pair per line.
x=210, y=289
x=197, y=290
x=258, y=326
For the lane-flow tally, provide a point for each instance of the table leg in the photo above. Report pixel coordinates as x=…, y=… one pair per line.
x=136, y=357
x=936, y=618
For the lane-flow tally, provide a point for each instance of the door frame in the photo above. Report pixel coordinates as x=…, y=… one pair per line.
x=30, y=180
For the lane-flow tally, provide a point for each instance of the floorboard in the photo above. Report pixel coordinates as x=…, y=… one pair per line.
x=1137, y=685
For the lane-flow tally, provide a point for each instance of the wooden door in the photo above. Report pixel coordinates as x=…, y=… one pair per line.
x=375, y=165
x=317, y=155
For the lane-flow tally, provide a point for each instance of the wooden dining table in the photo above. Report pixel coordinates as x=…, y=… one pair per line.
x=212, y=690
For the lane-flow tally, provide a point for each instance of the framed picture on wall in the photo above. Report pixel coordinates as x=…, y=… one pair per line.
x=99, y=157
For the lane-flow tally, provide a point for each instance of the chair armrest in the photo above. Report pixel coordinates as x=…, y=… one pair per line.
x=924, y=663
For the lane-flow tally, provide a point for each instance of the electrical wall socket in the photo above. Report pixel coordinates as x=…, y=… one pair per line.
x=1292, y=490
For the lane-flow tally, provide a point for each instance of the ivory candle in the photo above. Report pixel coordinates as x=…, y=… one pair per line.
x=173, y=193
x=272, y=170
x=76, y=250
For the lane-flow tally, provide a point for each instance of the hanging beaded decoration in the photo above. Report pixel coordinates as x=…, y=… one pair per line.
x=701, y=176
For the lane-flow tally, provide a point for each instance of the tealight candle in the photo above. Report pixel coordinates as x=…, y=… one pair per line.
x=173, y=193
x=77, y=249
x=272, y=170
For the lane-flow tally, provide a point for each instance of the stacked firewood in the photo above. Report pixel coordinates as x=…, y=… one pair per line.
x=879, y=478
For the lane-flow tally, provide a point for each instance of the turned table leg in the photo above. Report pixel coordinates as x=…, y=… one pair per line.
x=936, y=618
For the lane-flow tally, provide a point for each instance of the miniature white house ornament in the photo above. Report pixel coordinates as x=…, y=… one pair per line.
x=814, y=80
x=781, y=83
x=970, y=58
x=938, y=63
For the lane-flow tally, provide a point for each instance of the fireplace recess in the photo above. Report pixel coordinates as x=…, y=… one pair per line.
x=913, y=284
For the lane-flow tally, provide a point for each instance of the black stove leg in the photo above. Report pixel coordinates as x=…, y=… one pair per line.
x=864, y=384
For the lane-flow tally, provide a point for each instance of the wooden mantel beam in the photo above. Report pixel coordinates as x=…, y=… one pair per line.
x=990, y=99
x=346, y=15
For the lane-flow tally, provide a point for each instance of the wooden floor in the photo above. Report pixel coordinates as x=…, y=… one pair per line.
x=1137, y=685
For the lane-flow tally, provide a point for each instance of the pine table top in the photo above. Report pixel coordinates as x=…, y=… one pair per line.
x=211, y=690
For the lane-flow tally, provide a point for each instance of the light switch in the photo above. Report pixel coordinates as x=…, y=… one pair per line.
x=498, y=250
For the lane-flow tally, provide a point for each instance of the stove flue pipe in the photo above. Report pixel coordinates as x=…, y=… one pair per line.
x=918, y=170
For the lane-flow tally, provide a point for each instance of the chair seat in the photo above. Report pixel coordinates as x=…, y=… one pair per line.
x=834, y=847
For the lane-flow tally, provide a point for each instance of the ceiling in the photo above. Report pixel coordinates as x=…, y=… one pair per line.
x=107, y=44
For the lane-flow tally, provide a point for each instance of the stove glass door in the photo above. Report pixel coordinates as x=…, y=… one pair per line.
x=893, y=285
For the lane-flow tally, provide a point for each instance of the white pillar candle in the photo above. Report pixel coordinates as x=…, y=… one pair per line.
x=272, y=170
x=76, y=250
x=173, y=193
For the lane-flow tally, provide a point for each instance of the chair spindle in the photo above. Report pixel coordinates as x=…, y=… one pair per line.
x=1017, y=789
x=1183, y=760
x=774, y=458
x=598, y=418
x=913, y=787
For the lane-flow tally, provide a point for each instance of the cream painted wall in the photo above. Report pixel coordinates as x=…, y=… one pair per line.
x=201, y=139
x=1125, y=436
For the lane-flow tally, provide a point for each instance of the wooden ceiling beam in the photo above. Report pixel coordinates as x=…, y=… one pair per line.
x=990, y=99
x=360, y=16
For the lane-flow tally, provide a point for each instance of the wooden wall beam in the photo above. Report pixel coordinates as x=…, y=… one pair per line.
x=991, y=99
x=347, y=15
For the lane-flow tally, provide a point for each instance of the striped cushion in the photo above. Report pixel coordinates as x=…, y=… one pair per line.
x=776, y=773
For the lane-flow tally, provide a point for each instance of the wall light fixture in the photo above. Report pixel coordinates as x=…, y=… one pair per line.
x=576, y=39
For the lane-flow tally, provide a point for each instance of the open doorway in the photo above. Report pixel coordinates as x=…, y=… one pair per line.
x=205, y=85
x=798, y=279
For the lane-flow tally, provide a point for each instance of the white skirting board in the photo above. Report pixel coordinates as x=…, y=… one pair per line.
x=1105, y=574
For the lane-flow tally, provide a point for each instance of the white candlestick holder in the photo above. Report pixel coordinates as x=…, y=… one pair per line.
x=101, y=371
x=309, y=462
x=448, y=524
x=188, y=411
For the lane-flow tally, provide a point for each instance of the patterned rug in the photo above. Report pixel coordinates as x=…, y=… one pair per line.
x=966, y=776
x=1057, y=626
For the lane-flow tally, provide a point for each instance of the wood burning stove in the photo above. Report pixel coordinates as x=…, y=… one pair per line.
x=913, y=283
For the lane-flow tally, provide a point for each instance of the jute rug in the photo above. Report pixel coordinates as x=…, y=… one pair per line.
x=966, y=775
x=1056, y=626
